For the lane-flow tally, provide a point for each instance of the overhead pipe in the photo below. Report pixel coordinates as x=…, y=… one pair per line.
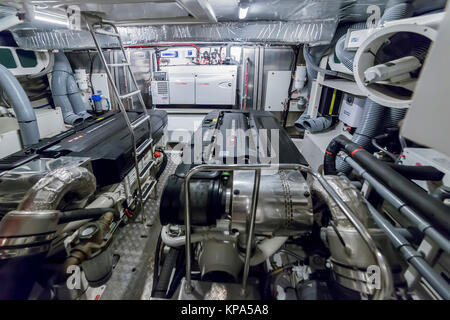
x=23, y=110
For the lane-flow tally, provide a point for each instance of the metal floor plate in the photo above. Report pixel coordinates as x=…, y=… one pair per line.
x=135, y=245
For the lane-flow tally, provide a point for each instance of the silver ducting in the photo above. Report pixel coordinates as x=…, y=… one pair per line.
x=48, y=192
x=350, y=256
x=284, y=207
x=26, y=233
x=312, y=32
x=22, y=108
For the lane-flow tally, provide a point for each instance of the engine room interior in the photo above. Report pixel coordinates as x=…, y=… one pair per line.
x=253, y=150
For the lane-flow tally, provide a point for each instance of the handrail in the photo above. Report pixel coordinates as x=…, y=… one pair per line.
x=386, y=275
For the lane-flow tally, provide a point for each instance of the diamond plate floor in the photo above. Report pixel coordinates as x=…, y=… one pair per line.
x=135, y=244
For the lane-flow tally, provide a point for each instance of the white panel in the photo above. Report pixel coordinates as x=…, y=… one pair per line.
x=9, y=136
x=215, y=89
x=277, y=90
x=214, y=84
x=50, y=122
x=182, y=88
x=427, y=120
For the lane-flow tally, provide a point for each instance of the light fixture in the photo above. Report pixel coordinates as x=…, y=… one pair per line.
x=243, y=12
x=243, y=9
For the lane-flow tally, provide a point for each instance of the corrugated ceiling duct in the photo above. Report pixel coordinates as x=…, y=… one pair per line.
x=312, y=32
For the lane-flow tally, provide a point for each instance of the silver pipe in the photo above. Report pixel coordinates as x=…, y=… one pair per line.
x=48, y=192
x=386, y=274
x=424, y=226
x=387, y=282
x=251, y=229
x=412, y=256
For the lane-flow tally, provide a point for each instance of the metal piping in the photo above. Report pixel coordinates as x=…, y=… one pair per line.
x=251, y=229
x=412, y=256
x=386, y=275
x=423, y=225
x=26, y=234
x=18, y=99
x=48, y=192
x=179, y=241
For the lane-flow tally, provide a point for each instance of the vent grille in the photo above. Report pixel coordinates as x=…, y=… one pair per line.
x=163, y=87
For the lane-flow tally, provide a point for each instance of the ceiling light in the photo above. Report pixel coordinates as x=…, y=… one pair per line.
x=243, y=12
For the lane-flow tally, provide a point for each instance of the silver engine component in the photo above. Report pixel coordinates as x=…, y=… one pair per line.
x=284, y=208
x=350, y=256
x=284, y=205
x=26, y=233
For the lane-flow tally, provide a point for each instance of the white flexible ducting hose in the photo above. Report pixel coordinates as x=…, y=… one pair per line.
x=265, y=249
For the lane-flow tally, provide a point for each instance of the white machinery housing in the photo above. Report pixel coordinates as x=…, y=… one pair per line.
x=203, y=85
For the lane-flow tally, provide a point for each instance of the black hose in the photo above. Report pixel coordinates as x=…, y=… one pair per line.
x=156, y=264
x=437, y=213
x=81, y=214
x=166, y=272
x=179, y=273
x=163, y=165
x=379, y=147
x=423, y=173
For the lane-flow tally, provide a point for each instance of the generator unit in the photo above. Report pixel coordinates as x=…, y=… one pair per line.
x=195, y=85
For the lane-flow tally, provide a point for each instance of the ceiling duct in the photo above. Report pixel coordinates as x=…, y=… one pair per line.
x=312, y=32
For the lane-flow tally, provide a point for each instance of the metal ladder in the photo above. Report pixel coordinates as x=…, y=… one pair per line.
x=98, y=28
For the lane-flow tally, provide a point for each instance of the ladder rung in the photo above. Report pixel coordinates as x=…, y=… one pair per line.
x=144, y=146
x=140, y=121
x=107, y=33
x=118, y=64
x=130, y=94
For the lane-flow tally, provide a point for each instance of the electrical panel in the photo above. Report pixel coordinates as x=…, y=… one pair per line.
x=196, y=84
x=160, y=91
